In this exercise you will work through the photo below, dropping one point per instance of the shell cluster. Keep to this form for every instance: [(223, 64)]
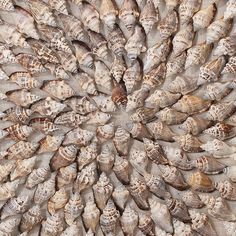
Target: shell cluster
[(117, 117)]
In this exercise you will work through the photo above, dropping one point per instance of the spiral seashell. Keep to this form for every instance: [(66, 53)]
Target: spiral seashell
[(161, 215), (9, 226), (118, 68), (217, 91), (146, 225), (44, 125), (105, 103), (226, 46), (6, 55), (191, 199), (173, 177), (121, 169), (50, 143), (230, 172), (8, 190), (138, 130), (119, 94), (59, 6), (226, 189), (68, 61), (230, 67), (106, 132), (5, 170), (230, 11), (19, 132), (87, 84), (120, 196), (57, 71), (121, 141), (105, 159), (138, 160), (45, 190), (7, 5)]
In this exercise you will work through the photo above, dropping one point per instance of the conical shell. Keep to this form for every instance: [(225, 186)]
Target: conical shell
[(8, 190), (121, 141), (68, 61), (87, 84), (106, 132), (138, 130), (9, 226), (44, 125), (138, 160), (57, 71), (50, 143), (120, 196), (230, 67), (98, 118), (118, 68), (119, 94), (105, 103), (5, 170), (19, 132), (6, 55), (191, 199), (105, 159), (225, 46), (226, 189), (217, 91), (146, 225), (143, 114), (121, 169)]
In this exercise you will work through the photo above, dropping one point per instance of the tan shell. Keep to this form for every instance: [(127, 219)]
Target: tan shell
[(105, 159), (106, 132), (6, 55), (225, 46), (138, 130), (230, 67), (44, 125), (5, 170), (143, 114), (7, 5), (105, 103), (191, 199), (59, 6), (171, 4), (50, 143), (87, 84), (121, 169), (230, 9), (120, 196), (121, 141), (98, 118), (19, 132), (119, 94), (138, 160), (217, 91), (146, 224), (118, 68), (8, 190), (68, 61)]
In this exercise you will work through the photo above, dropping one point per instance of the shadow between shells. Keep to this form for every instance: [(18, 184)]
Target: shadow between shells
[(117, 117)]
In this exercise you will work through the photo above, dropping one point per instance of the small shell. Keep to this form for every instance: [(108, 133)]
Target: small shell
[(50, 143), (121, 169), (120, 196), (161, 131), (118, 68), (6, 55), (230, 11), (7, 5), (136, 43), (59, 6), (104, 103), (183, 40), (19, 132), (8, 190), (37, 176), (146, 225), (105, 159), (226, 189), (87, 84), (189, 143), (230, 67), (121, 141), (138, 160), (201, 182), (57, 201), (209, 72), (173, 177), (57, 71), (218, 29), (128, 14), (217, 91), (79, 137), (168, 25), (98, 118), (31, 218), (191, 199), (203, 18), (143, 114), (161, 215), (44, 125), (31, 63), (138, 130), (5, 170), (106, 132), (225, 46), (129, 220), (45, 190), (230, 172), (63, 157), (73, 208)]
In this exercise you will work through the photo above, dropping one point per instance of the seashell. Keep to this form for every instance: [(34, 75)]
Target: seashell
[(7, 5), (57, 71), (55, 37), (187, 9), (230, 67), (105, 132), (168, 26), (226, 189), (118, 68), (30, 62), (59, 6), (66, 175), (173, 177), (102, 75), (87, 84), (22, 150), (50, 143), (121, 169), (132, 76), (171, 4), (120, 196), (83, 55), (63, 157), (226, 46), (201, 224), (19, 132), (82, 105), (70, 118), (129, 220), (191, 104), (217, 91), (79, 137), (9, 226), (161, 131), (201, 182), (53, 225), (178, 209), (203, 18), (116, 41), (218, 29), (138, 160), (136, 43), (72, 230), (128, 14), (121, 141), (230, 172), (104, 103), (85, 178), (229, 228), (182, 228), (5, 170), (22, 97), (68, 61), (25, 80), (156, 54), (37, 176), (6, 55), (161, 215), (102, 190), (105, 159), (31, 218), (108, 13), (45, 190), (48, 107), (230, 11), (139, 192), (42, 13), (12, 37), (146, 224), (162, 98), (109, 218), (73, 208), (149, 16), (220, 111), (171, 116), (90, 17), (23, 168), (218, 208), (183, 39), (91, 215), (138, 130), (189, 143), (98, 117), (209, 72), (3, 134), (191, 199), (44, 125), (57, 201), (8, 190), (143, 114), (14, 206), (175, 64)]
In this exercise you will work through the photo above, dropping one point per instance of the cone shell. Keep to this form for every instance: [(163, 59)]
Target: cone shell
[(138, 130), (226, 189), (98, 118), (119, 95), (44, 125), (105, 103), (121, 169), (50, 143), (138, 160), (105, 159), (120, 196), (143, 114), (118, 68), (192, 200), (217, 91), (105, 132), (230, 67), (121, 141), (146, 224), (87, 84), (57, 71), (230, 11), (226, 46), (19, 132), (5, 170)]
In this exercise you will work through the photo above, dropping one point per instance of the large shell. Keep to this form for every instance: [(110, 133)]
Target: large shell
[(230, 67), (217, 91), (106, 132), (192, 200), (121, 169), (146, 225), (105, 159), (230, 10), (230, 172), (138, 160), (5, 170), (7, 5), (120, 196), (19, 132), (121, 141), (226, 189), (6, 55), (225, 46), (8, 190), (50, 143)]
